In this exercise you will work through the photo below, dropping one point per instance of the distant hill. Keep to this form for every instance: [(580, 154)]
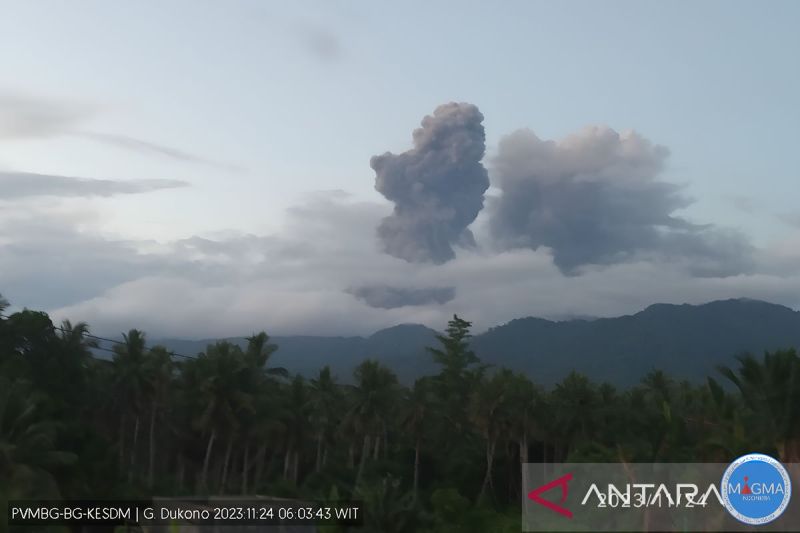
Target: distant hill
[(401, 347), (687, 341)]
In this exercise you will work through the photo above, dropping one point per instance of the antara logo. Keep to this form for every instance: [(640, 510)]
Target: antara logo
[(562, 482)]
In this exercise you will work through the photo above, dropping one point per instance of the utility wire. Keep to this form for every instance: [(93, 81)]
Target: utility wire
[(105, 339)]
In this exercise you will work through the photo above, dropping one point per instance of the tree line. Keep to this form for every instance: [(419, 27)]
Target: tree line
[(440, 455)]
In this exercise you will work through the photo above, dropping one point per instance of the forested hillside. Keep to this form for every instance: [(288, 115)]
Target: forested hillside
[(688, 341), (441, 455)]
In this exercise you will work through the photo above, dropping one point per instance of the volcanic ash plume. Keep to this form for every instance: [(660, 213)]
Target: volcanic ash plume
[(437, 186), (596, 197)]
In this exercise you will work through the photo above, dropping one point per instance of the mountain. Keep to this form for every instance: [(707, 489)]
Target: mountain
[(687, 341), (401, 347)]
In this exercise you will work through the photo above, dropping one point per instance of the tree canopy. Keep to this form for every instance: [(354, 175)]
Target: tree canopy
[(442, 455)]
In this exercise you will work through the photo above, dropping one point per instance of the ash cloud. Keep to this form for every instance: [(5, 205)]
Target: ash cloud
[(385, 297), (437, 187), (595, 198)]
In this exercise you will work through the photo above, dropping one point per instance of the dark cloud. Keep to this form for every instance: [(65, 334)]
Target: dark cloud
[(596, 198), (385, 297), (26, 184), (437, 186), (708, 251)]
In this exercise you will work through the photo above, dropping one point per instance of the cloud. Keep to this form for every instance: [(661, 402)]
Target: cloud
[(321, 42), (384, 297), (27, 117), (146, 147), (46, 261), (792, 219), (437, 187), (595, 198), (294, 281), (490, 289), (15, 185), (746, 204)]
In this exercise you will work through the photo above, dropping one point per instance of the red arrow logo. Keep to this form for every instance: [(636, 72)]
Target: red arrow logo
[(562, 482)]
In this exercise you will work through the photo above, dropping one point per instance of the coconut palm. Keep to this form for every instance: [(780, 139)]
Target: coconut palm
[(574, 404), (720, 427), (489, 415), (258, 353), (387, 508), (219, 377), (770, 389), (28, 453), (131, 384), (373, 396), (419, 415), (159, 370), (325, 407), (526, 400)]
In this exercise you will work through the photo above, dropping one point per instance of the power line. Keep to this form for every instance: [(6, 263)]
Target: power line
[(105, 339)]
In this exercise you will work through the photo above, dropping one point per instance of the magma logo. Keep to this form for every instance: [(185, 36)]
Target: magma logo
[(756, 489)]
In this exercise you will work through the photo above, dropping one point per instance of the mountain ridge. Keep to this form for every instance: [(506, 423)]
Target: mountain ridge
[(686, 340)]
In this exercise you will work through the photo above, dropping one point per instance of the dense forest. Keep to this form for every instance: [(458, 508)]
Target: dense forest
[(440, 456)]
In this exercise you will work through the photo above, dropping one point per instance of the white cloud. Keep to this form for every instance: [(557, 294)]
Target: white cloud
[(296, 281)]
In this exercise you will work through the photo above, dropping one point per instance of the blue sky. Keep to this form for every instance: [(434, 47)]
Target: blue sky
[(276, 100)]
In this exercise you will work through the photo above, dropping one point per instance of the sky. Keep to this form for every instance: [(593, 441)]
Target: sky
[(199, 169)]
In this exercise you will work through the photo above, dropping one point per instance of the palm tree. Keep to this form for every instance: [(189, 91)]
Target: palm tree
[(658, 403), (526, 400), (720, 428), (574, 405), (326, 400), (771, 390), (219, 379), (131, 383), (5, 340), (28, 456), (258, 352), (490, 419), (268, 427), (419, 404), (159, 369), (296, 424), (69, 359), (35, 351), (387, 508), (373, 396), (256, 418)]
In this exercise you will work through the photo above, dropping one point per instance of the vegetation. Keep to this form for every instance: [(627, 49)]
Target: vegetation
[(440, 456)]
